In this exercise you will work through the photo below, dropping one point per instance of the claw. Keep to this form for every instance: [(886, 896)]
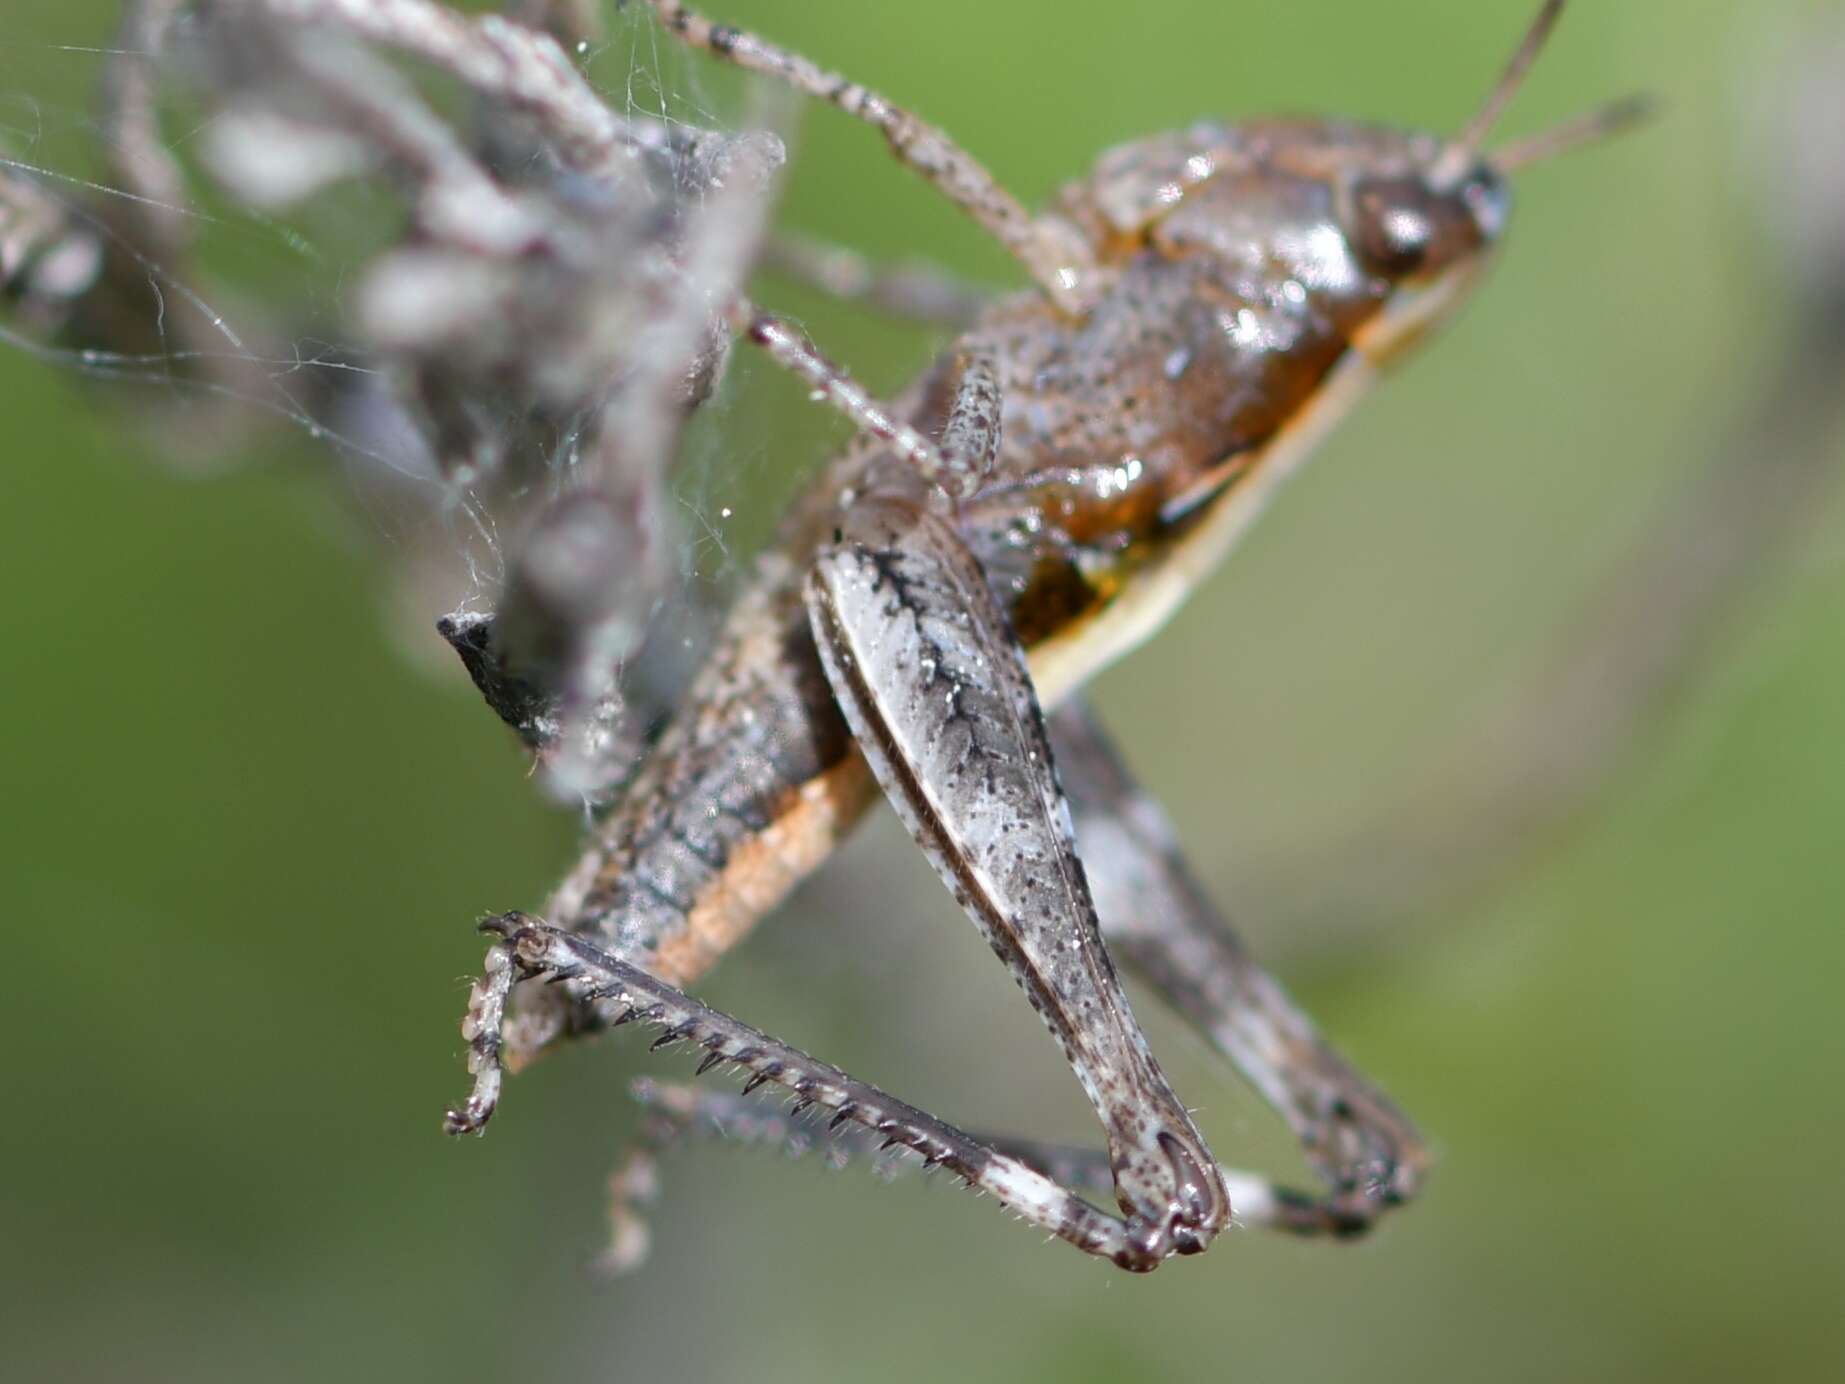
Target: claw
[(481, 1025)]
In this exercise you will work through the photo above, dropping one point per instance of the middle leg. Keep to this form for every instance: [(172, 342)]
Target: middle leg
[(677, 1111)]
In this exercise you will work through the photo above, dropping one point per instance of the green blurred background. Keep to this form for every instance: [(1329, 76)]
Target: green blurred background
[(246, 836)]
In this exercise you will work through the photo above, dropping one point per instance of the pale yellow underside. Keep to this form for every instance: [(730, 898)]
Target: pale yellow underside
[(1064, 662)]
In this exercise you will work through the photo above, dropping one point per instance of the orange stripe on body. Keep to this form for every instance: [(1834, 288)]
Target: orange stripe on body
[(809, 821)]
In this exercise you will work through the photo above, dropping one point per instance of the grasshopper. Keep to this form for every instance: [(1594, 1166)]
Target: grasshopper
[(1207, 304)]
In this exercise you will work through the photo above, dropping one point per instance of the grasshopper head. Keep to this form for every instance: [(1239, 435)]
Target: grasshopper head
[(1424, 216)]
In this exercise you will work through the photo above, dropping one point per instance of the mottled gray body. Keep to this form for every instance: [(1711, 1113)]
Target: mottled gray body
[(1030, 510), (758, 722), (1120, 434)]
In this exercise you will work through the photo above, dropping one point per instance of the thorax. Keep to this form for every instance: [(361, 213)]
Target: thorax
[(1138, 441)]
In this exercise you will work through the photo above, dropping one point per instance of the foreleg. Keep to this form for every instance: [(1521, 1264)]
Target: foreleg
[(967, 448)]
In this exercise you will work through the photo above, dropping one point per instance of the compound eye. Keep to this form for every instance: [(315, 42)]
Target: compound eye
[(1389, 224), (1487, 202)]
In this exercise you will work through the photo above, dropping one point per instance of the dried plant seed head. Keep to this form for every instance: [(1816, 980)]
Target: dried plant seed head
[(567, 583)]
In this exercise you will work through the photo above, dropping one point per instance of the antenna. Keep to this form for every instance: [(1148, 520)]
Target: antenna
[(1455, 160), (1589, 128)]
